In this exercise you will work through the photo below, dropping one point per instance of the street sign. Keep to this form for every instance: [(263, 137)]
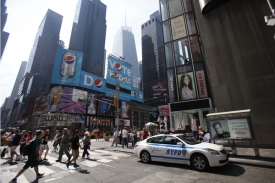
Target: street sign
[(84, 101)]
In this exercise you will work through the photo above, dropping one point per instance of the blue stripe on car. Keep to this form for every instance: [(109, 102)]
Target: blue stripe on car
[(174, 146), (165, 157)]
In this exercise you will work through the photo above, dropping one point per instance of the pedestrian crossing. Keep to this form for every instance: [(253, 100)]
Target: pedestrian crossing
[(55, 170)]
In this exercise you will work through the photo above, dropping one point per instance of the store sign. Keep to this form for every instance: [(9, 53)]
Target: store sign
[(201, 84), (54, 117), (178, 27)]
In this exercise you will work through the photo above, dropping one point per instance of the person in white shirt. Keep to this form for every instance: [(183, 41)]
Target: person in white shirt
[(115, 137), (138, 135), (124, 137), (206, 137), (86, 130)]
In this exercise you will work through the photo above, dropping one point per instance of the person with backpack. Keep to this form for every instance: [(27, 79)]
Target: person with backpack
[(86, 144), (32, 150)]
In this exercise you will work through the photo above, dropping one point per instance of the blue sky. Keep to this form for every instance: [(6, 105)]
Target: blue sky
[(25, 16)]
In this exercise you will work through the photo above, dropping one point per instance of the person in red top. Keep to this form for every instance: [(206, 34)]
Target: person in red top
[(97, 134), (144, 134)]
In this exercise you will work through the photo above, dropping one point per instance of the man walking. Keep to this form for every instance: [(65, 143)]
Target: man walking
[(124, 137), (15, 143), (33, 157), (74, 143), (115, 137), (65, 139)]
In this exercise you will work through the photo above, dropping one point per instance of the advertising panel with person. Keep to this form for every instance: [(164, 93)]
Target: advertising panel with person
[(187, 87), (106, 106)]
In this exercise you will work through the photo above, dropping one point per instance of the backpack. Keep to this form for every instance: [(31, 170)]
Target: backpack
[(28, 148)]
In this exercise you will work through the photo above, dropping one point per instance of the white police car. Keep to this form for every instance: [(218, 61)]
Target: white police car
[(178, 148)]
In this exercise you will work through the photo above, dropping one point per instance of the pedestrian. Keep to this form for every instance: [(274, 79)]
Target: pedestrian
[(97, 134), (86, 130), (29, 137), (124, 137), (120, 136), (144, 134), (57, 140), (33, 158), (86, 144), (114, 137), (65, 139), (22, 144), (44, 145), (74, 144), (135, 137), (3, 143), (15, 143), (138, 135)]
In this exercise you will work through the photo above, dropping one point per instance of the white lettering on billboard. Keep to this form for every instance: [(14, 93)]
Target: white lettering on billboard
[(88, 80)]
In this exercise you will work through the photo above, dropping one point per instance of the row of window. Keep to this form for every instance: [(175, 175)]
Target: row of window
[(173, 8)]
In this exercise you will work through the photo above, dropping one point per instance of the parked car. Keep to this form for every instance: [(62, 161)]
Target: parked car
[(178, 148)]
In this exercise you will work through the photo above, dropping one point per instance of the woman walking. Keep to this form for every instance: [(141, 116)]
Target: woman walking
[(44, 145), (22, 144), (86, 143), (57, 140)]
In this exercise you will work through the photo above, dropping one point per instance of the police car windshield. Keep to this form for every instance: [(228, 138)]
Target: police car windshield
[(188, 140)]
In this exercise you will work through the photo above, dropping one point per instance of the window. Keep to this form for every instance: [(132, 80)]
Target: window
[(195, 48), (149, 22), (145, 24), (166, 31), (163, 8), (168, 55), (182, 52), (156, 140), (171, 140), (191, 23), (142, 26), (187, 5), (178, 27), (175, 8), (153, 20)]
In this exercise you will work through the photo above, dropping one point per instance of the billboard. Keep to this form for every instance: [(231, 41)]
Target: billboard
[(67, 67), (187, 88), (125, 109), (122, 96), (230, 125), (68, 101), (201, 84), (40, 104), (105, 108), (119, 71), (92, 82), (136, 95), (163, 110)]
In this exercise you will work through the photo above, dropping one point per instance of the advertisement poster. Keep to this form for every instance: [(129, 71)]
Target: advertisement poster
[(92, 108), (119, 71), (201, 84), (67, 67), (125, 109), (137, 95), (163, 110), (219, 130), (187, 89), (122, 96), (40, 104), (239, 128), (105, 108), (178, 27), (68, 101), (160, 89)]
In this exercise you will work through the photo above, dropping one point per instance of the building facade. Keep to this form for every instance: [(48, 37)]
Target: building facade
[(88, 35), (153, 61), (41, 59), (4, 35), (124, 46), (228, 52), (15, 88)]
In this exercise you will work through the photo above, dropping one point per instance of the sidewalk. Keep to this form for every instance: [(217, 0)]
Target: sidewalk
[(245, 155)]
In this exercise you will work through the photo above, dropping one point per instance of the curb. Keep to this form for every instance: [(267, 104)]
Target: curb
[(252, 162)]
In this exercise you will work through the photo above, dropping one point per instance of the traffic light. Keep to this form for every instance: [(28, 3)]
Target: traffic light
[(62, 112), (55, 100), (115, 100)]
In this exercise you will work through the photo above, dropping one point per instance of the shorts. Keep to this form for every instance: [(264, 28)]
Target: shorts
[(75, 153), (13, 148), (31, 162), (44, 147)]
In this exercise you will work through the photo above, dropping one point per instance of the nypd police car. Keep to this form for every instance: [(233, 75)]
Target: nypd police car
[(179, 148)]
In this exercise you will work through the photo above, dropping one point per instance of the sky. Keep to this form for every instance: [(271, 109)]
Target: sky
[(25, 16)]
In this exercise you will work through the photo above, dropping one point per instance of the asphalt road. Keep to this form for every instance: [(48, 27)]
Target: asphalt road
[(109, 166)]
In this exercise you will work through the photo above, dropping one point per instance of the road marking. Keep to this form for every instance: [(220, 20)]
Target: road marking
[(44, 169), (48, 180)]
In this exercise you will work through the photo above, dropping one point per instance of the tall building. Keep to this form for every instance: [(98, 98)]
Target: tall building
[(124, 46), (41, 59), (88, 35), (4, 35), (15, 88), (214, 64), (153, 61)]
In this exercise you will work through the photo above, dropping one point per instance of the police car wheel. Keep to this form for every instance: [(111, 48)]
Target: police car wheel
[(145, 157), (199, 162)]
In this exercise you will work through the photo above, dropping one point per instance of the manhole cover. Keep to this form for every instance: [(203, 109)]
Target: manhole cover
[(106, 155)]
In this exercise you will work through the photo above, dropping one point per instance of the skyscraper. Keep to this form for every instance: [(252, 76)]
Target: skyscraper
[(15, 88), (42, 55), (125, 46), (88, 35), (4, 35), (153, 61)]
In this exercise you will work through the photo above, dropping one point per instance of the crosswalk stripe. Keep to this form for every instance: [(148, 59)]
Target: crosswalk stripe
[(44, 169), (20, 179)]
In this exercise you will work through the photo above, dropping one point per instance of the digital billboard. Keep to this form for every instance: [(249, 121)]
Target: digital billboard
[(136, 95), (105, 108), (41, 104), (125, 109), (92, 82), (119, 71), (122, 96), (67, 67)]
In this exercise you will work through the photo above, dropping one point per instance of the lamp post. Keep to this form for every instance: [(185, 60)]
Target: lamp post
[(117, 105)]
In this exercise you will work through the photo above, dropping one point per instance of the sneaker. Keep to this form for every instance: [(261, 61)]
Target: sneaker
[(76, 165), (67, 164), (40, 175)]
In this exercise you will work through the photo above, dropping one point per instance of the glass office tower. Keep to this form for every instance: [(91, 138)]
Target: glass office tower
[(88, 35)]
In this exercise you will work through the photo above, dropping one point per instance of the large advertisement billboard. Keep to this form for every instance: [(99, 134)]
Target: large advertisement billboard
[(119, 71), (67, 67), (105, 107), (92, 82), (137, 95), (41, 104)]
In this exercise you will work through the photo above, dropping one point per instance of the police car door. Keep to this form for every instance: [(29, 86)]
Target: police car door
[(156, 148), (174, 151)]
